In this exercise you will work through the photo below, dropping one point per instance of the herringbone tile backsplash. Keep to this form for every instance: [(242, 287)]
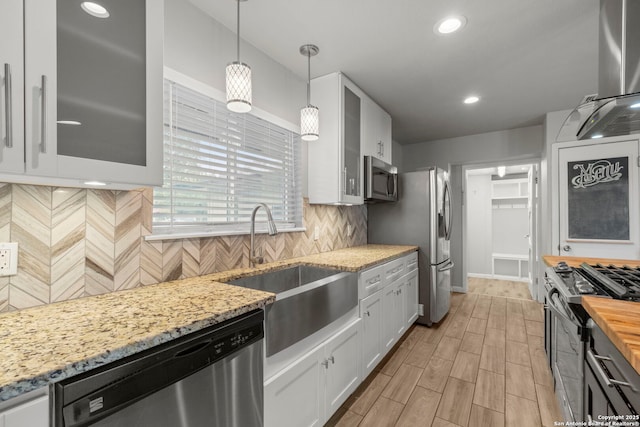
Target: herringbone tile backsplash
[(80, 242)]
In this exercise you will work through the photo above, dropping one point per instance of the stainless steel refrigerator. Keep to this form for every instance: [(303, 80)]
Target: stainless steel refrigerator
[(421, 217)]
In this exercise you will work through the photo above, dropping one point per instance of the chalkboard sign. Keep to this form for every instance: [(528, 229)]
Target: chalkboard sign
[(598, 199)]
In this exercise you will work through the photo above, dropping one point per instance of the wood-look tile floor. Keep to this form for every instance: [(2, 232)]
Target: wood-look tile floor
[(483, 365), (498, 288)]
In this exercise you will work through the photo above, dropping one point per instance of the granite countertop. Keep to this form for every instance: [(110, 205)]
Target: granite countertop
[(48, 343), (619, 320)]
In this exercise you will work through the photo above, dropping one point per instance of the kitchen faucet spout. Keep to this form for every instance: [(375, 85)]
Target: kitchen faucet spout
[(271, 228)]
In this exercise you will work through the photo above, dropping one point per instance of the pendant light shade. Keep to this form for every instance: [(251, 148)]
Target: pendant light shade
[(309, 115), (239, 87), (238, 79), (309, 123)]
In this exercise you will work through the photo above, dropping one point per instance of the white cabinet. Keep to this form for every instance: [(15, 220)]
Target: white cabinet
[(89, 96), (342, 366), (12, 82), (335, 160), (299, 386), (376, 132), (309, 391), (30, 411), (372, 327), (388, 306), (411, 309)]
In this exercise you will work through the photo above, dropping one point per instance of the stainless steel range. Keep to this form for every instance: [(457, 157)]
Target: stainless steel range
[(568, 335)]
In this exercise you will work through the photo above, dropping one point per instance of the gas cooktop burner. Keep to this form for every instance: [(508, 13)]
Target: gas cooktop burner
[(600, 280), (620, 282)]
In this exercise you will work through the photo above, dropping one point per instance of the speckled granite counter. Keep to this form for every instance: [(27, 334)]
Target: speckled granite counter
[(49, 343), (350, 259), (52, 342)]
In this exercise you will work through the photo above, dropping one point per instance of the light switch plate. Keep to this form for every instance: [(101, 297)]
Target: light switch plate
[(8, 259)]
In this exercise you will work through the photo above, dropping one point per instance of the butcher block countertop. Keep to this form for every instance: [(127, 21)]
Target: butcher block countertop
[(45, 344), (619, 320)]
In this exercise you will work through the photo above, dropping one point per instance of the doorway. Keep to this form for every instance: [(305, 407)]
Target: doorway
[(499, 225)]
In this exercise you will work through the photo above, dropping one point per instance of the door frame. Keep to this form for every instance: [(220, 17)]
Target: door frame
[(535, 239), (555, 180)]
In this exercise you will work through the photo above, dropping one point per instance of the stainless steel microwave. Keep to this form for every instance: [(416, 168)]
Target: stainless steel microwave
[(380, 181)]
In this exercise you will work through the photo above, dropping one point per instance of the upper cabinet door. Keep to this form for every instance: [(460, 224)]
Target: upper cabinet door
[(335, 159), (93, 91), (40, 88), (376, 133), (352, 133), (11, 86)]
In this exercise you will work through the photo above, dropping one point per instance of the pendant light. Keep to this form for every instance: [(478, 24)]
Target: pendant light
[(238, 79), (309, 115)]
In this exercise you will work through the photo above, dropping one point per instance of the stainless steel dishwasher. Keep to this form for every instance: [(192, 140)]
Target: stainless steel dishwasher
[(213, 377)]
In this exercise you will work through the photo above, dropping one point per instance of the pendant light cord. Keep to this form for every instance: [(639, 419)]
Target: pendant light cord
[(238, 32), (308, 77)]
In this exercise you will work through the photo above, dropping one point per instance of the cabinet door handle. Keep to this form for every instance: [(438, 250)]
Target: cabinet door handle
[(382, 148), (43, 118), (333, 361), (7, 106), (345, 181), (325, 363), (367, 313)]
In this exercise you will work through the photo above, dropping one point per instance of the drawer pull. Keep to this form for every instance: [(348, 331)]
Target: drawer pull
[(595, 359), (373, 280)]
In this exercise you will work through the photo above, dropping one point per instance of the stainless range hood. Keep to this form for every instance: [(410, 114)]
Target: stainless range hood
[(616, 108)]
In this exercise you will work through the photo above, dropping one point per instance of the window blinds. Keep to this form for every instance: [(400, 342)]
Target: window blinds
[(218, 165)]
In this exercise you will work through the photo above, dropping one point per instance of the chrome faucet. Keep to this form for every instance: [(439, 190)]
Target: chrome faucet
[(271, 227)]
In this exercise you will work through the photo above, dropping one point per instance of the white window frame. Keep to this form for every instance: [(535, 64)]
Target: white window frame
[(164, 233)]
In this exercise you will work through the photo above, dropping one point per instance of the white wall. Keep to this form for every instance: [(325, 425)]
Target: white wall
[(200, 47), (512, 144), (478, 250)]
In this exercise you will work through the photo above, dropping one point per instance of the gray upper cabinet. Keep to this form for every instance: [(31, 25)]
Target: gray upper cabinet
[(92, 93)]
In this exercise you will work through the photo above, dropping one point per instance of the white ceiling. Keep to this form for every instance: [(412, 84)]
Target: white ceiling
[(523, 57)]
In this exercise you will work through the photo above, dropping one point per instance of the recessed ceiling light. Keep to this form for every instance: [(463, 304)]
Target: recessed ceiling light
[(94, 9), (596, 136), (636, 105), (501, 171), (95, 183), (450, 24), (69, 122), (471, 99)]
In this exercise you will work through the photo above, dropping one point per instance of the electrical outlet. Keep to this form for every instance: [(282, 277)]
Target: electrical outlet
[(8, 259), (316, 233), (349, 230)]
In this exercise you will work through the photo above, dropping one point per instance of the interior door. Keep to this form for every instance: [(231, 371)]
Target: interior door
[(598, 200)]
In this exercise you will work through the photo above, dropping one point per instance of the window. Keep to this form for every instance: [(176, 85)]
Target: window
[(218, 165)]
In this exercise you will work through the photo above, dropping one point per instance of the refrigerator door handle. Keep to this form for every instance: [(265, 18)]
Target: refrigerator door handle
[(446, 267)]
